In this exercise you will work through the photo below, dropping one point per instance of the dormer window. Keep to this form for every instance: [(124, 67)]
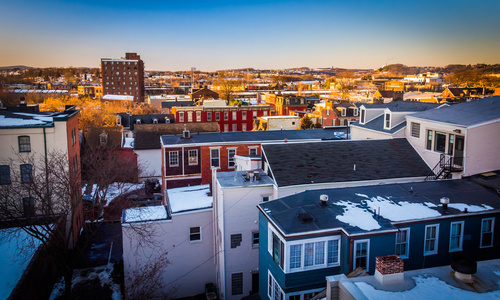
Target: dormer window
[(355, 112), (343, 112), (387, 123), (363, 116), (138, 121), (118, 120), (167, 120), (155, 121)]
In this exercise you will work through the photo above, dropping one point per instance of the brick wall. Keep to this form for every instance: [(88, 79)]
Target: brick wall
[(389, 264)]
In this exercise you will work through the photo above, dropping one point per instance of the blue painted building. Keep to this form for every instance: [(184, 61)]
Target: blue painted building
[(317, 233)]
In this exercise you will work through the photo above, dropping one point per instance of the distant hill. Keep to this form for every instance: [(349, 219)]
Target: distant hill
[(15, 67)]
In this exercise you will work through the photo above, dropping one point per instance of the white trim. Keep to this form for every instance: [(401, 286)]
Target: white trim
[(195, 241), (170, 165), (218, 157), (387, 113), (407, 254), (460, 244), (302, 243), (492, 232), (228, 158), (367, 253), (436, 244), (274, 283), (189, 161)]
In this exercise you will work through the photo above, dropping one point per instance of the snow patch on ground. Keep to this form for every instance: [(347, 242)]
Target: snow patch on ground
[(426, 288), (189, 198), (17, 249), (357, 216)]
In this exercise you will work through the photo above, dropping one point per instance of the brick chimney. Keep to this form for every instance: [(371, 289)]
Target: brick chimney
[(389, 269)]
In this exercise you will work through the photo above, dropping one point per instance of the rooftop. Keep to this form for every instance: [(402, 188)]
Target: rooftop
[(238, 179), (144, 214), (189, 198), (15, 119), (465, 114), (427, 283), (254, 136), (343, 161), (376, 208)]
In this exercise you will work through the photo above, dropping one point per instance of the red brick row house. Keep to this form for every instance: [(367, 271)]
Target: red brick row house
[(229, 118), (188, 159)]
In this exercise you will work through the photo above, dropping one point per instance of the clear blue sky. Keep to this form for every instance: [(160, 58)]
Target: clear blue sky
[(212, 35)]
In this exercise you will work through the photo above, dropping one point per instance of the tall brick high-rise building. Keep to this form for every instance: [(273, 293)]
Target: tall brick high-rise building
[(124, 76)]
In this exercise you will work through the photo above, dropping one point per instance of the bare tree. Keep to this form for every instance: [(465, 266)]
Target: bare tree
[(227, 86), (42, 197)]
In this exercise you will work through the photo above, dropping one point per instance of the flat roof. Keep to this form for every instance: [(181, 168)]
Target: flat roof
[(375, 208), (255, 136), (189, 198), (238, 179), (144, 214)]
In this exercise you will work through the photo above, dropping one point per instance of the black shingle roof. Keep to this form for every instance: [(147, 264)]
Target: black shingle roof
[(284, 211), (333, 161)]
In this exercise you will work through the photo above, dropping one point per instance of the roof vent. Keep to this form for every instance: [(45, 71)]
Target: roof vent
[(445, 201), (323, 199), (186, 134), (305, 217)]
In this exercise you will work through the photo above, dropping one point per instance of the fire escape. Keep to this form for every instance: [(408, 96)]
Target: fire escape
[(446, 165)]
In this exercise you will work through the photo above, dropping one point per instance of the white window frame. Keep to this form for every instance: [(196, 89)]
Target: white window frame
[(189, 157), (355, 112), (171, 157), (229, 160), (209, 116), (181, 117), (212, 157), (301, 243), (436, 244), (407, 254), (386, 115), (254, 244), (343, 112), (362, 118), (272, 287), (244, 115), (412, 124), (367, 253), (235, 128), (190, 116), (461, 236), (253, 148), (235, 115), (492, 232), (191, 234), (198, 116)]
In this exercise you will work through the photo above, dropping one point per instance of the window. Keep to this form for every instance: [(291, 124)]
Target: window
[(403, 242), (235, 127), (431, 239), (295, 256), (243, 115), (198, 116), (278, 250), (252, 151), (29, 206), (230, 157), (265, 198), (226, 115), (265, 113), (363, 116), (181, 117), (255, 238), (217, 116), (451, 142), (294, 297), (214, 158), (429, 140), (440, 141), (456, 236), (236, 283), (209, 116), (5, 174), (173, 158), (342, 113), (415, 129), (235, 115), (314, 254), (195, 234), (327, 111), (26, 173), (155, 121), (226, 127), (355, 112), (24, 143), (332, 255), (190, 116), (361, 254), (387, 124), (274, 291), (487, 232), (235, 240), (193, 157)]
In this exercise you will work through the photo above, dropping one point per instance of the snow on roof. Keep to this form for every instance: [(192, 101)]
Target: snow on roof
[(128, 143), (426, 288), (17, 248), (143, 214), (189, 198), (118, 97)]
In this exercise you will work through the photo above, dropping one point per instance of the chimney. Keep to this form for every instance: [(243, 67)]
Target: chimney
[(186, 134), (389, 269), (445, 201)]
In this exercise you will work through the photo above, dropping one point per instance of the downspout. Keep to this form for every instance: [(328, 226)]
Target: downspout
[(350, 254), (46, 168)]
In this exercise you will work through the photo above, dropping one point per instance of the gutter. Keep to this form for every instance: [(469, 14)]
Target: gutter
[(46, 167)]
